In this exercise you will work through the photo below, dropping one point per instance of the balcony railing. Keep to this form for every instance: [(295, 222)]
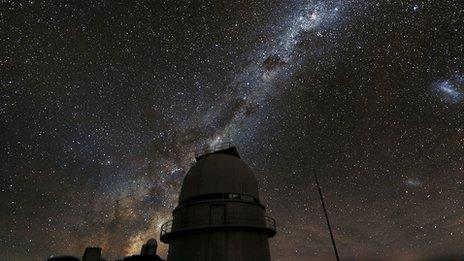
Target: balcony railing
[(266, 224)]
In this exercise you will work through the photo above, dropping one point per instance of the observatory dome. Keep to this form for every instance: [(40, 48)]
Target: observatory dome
[(219, 173), (152, 242)]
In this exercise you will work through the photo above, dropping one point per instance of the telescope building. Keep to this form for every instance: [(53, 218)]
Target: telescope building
[(219, 215)]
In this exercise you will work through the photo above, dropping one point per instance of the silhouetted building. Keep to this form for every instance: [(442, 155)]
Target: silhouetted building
[(148, 253), (92, 254), (149, 249), (143, 258), (219, 216)]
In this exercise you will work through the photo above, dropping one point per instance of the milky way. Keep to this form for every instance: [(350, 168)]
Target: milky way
[(273, 63), (104, 106)]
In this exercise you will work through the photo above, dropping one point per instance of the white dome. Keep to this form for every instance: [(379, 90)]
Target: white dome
[(219, 173)]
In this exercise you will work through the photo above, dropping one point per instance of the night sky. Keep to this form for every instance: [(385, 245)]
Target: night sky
[(104, 103)]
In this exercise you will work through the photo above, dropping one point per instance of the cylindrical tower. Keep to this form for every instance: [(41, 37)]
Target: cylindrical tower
[(219, 216)]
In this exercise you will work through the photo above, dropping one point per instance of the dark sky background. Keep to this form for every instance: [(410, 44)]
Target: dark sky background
[(103, 104)]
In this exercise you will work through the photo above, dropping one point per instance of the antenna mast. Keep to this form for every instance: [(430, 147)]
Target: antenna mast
[(326, 216)]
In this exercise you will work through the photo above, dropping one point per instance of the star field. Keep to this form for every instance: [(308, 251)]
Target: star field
[(104, 105)]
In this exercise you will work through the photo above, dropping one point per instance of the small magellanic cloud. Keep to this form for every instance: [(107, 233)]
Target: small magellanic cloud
[(413, 182)]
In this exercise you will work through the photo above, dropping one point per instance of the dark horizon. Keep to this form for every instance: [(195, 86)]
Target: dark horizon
[(104, 104)]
